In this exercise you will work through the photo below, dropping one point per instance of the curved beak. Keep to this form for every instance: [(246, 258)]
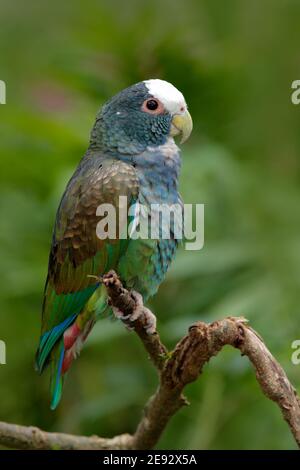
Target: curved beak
[(182, 124)]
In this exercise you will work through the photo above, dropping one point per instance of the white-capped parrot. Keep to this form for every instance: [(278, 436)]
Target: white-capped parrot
[(131, 153)]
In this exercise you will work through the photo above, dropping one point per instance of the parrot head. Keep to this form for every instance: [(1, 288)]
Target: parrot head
[(145, 114)]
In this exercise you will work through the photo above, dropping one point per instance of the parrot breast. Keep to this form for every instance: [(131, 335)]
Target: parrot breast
[(146, 262)]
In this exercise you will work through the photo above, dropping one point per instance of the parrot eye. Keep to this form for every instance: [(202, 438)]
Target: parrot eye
[(153, 106)]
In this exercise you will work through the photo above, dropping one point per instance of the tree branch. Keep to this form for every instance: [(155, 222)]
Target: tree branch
[(176, 370), (28, 437), (202, 342)]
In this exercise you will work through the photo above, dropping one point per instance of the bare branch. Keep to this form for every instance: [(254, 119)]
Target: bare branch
[(28, 437), (176, 370)]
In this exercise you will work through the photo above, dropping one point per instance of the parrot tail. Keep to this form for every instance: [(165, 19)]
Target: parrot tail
[(63, 354), (63, 343), (57, 379)]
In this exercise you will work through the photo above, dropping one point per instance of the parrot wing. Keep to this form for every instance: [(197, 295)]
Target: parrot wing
[(76, 251)]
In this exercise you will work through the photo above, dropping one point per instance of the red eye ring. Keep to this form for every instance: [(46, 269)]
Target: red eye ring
[(153, 106)]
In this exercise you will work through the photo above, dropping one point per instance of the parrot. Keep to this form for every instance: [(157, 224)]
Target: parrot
[(132, 153)]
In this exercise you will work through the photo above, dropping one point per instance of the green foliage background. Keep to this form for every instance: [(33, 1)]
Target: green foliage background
[(234, 61)]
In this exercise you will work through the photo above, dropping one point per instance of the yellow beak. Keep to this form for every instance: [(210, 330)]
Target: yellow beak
[(182, 124)]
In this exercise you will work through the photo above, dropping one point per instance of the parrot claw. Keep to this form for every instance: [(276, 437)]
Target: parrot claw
[(150, 321), (140, 311), (125, 318), (119, 314)]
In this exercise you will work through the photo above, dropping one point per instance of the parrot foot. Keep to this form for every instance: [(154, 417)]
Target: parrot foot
[(139, 312)]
